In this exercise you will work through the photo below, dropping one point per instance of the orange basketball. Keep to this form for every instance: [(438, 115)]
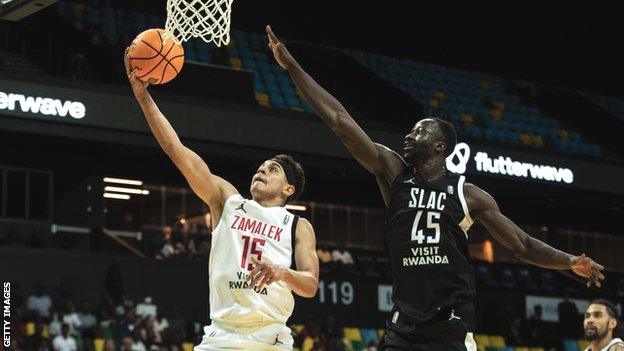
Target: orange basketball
[(156, 59)]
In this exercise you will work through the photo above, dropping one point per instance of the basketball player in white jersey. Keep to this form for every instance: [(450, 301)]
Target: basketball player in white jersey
[(601, 326), (253, 242)]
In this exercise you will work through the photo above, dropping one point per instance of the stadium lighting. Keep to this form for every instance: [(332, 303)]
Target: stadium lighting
[(122, 181), (117, 196), (296, 207), (118, 189)]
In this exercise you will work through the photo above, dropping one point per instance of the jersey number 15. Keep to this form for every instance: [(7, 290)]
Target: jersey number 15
[(418, 234), (251, 246)]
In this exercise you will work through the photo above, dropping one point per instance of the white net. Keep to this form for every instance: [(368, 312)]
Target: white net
[(207, 19)]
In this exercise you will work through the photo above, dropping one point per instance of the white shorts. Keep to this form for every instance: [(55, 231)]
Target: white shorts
[(272, 337)]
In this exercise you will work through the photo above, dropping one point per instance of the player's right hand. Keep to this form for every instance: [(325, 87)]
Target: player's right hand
[(282, 56), (138, 86)]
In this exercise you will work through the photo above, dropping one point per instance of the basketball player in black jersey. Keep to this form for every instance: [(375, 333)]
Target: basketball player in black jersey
[(428, 213)]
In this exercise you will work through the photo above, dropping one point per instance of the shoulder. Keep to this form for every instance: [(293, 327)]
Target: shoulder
[(392, 164), (478, 199), (303, 225), (387, 154), (617, 347), (304, 231)]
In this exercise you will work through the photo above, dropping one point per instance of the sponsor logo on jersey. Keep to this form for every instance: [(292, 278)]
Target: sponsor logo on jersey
[(430, 200), (409, 181), (242, 207), (425, 256), (256, 226), (240, 283)]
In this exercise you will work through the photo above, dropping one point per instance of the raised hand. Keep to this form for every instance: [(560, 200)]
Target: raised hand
[(265, 273), (586, 267), (138, 86), (282, 56)]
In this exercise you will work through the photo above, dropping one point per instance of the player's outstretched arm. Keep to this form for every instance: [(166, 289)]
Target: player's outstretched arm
[(373, 157), (484, 208), (211, 189), (304, 280)]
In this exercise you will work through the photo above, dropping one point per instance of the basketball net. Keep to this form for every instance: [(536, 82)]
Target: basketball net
[(206, 19)]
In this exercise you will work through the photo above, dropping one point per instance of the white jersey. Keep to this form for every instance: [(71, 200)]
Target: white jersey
[(246, 229), (615, 341)]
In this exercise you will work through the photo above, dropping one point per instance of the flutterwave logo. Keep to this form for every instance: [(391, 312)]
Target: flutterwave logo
[(42, 105), (457, 163)]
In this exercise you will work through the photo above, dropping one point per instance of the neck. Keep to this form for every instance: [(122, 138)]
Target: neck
[(597, 345), (430, 169), (275, 202)]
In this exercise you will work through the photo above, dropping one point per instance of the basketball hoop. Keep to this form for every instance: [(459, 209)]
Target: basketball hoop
[(206, 19)]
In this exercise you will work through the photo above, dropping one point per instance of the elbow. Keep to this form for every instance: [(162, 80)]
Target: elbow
[(309, 293)]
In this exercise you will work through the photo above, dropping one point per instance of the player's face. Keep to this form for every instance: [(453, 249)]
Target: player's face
[(420, 141), (597, 322), (269, 181)]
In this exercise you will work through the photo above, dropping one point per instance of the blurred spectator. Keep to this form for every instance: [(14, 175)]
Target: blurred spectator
[(71, 318), (536, 327), (88, 321), (127, 344), (64, 341), (137, 343), (324, 255), (109, 345), (126, 325), (337, 342), (569, 317), (370, 347), (168, 249), (37, 341), (161, 324), (341, 255), (54, 328), (146, 308), (39, 301)]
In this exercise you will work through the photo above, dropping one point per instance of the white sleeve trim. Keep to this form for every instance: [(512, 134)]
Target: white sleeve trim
[(467, 222)]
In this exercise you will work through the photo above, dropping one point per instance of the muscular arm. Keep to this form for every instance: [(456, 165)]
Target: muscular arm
[(211, 189), (525, 247), (377, 160), (304, 280)]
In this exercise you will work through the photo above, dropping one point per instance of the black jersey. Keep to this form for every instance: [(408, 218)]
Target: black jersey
[(426, 234)]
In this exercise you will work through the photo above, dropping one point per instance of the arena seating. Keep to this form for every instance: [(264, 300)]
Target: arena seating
[(480, 105)]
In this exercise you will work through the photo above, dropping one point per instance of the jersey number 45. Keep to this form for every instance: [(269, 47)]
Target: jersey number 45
[(432, 226)]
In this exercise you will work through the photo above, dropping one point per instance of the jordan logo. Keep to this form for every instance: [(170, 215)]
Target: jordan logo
[(453, 316), (409, 181), (277, 340), (242, 207)]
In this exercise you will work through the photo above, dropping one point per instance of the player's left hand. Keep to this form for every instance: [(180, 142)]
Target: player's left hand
[(586, 267), (265, 273)]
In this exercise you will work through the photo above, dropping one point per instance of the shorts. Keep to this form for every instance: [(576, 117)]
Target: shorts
[(271, 337), (450, 330)]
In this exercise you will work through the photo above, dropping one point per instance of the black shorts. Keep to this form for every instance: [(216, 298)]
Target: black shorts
[(450, 330)]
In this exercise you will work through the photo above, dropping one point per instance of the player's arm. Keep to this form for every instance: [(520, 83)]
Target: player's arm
[(211, 189), (304, 280), (484, 208), (377, 160)]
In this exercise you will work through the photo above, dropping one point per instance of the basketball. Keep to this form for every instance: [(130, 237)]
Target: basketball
[(156, 58)]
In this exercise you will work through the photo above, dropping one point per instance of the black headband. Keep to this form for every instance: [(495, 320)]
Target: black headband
[(290, 173)]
